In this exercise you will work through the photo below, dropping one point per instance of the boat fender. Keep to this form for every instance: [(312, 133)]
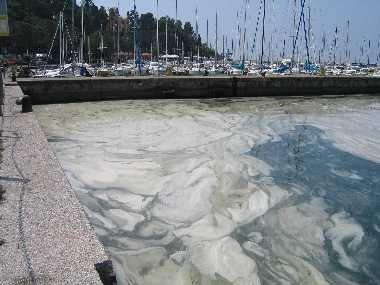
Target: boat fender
[(106, 272)]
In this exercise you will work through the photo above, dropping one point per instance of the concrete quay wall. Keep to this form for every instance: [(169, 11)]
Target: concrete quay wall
[(62, 90)]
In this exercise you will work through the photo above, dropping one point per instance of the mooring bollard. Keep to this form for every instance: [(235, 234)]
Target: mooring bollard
[(106, 272), (26, 103), (1, 95)]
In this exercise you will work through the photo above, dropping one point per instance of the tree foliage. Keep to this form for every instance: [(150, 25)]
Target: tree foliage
[(33, 25)]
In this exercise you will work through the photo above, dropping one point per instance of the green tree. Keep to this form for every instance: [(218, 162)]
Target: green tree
[(33, 25)]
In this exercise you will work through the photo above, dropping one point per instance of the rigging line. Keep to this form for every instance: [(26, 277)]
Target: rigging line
[(56, 32), (245, 29), (263, 35), (69, 36), (257, 27), (52, 43), (298, 28), (237, 34), (306, 36), (335, 44)]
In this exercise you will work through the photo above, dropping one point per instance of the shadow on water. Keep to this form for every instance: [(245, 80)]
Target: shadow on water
[(305, 158), (56, 139)]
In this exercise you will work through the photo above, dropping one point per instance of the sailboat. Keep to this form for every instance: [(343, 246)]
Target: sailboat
[(239, 69), (102, 71), (308, 67), (155, 67), (64, 69), (197, 68)]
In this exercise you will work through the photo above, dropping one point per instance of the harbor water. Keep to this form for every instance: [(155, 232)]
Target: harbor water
[(243, 191)]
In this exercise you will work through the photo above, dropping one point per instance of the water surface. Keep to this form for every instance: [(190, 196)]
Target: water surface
[(245, 191)]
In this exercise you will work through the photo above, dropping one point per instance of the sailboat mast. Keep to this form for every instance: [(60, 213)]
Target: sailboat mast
[(207, 32), (66, 40), (324, 42), (226, 39), (197, 32), (263, 35), (216, 38), (118, 31), (311, 35), (378, 49), (348, 43), (134, 32), (63, 40), (101, 44), (232, 47), (362, 51), (89, 49), (157, 40), (369, 50), (239, 36), (60, 38), (175, 32), (151, 51), (335, 44), (223, 50), (305, 30), (82, 35), (245, 29), (183, 51), (166, 32), (294, 30), (73, 2), (309, 23)]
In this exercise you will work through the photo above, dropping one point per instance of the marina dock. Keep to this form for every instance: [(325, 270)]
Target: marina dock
[(64, 90)]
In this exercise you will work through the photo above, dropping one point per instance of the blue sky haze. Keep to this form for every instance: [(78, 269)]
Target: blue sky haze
[(326, 16)]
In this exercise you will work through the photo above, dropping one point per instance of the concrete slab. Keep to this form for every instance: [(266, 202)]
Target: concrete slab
[(48, 239)]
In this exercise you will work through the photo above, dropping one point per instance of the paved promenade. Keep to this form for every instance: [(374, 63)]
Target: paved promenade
[(45, 237)]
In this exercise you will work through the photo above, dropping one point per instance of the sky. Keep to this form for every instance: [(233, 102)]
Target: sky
[(326, 16)]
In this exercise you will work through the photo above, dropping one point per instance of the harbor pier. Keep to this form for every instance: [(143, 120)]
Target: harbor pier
[(65, 90)]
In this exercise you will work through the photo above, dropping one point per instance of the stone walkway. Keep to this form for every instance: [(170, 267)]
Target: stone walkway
[(45, 237)]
